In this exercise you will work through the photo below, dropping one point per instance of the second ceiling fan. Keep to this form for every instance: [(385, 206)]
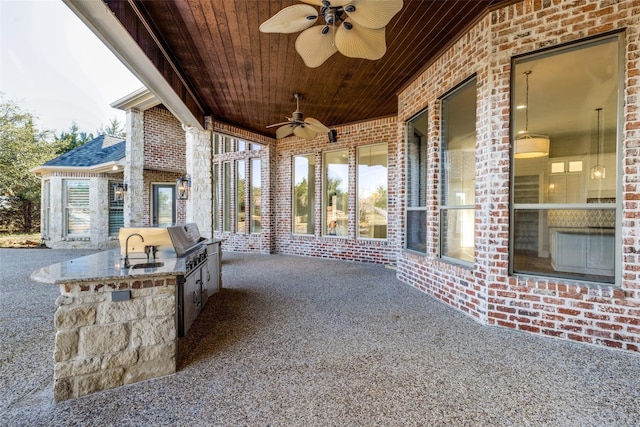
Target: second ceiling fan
[(298, 125)]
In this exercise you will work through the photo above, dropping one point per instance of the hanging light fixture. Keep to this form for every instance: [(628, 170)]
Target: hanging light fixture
[(598, 171), (529, 146), (118, 191), (183, 185)]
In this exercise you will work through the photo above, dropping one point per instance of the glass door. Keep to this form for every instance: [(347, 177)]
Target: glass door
[(164, 205)]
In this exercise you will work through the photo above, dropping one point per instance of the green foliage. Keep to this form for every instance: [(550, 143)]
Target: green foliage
[(113, 129), (74, 138), (22, 147)]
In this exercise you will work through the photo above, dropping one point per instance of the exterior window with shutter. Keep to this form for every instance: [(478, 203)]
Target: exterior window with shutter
[(77, 212)]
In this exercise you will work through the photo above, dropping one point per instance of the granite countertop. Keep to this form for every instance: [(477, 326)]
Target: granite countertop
[(106, 265), (584, 230)]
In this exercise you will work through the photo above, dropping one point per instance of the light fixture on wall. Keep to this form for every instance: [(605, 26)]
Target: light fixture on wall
[(183, 185), (529, 146), (118, 191), (598, 171)]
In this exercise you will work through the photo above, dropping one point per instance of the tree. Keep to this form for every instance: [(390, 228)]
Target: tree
[(113, 129), (22, 147), (67, 141)]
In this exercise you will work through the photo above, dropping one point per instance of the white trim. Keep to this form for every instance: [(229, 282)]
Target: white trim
[(101, 21)]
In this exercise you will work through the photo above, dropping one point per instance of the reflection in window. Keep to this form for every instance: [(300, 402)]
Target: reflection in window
[(216, 196), (77, 212), (416, 234), (226, 196), (256, 196), (336, 193), (458, 173), (116, 210), (240, 196), (46, 208), (372, 191), (563, 212), (304, 188)]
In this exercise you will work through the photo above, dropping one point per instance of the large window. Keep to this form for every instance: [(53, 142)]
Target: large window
[(241, 193), (216, 196), (336, 193), (416, 235), (226, 196), (458, 174), (77, 212), (116, 213), (565, 108), (304, 188), (372, 191), (256, 195)]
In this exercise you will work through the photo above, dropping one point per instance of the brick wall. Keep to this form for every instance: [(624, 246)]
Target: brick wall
[(598, 314), (164, 141), (349, 248)]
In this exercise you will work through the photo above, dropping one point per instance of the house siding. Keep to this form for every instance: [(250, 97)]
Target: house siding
[(598, 314)]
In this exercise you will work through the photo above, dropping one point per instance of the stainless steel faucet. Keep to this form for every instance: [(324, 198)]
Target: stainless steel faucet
[(126, 248)]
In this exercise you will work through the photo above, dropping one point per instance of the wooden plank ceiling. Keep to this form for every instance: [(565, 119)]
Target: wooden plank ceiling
[(247, 78)]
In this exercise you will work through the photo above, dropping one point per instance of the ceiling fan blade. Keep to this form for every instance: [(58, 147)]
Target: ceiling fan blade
[(315, 125), (285, 130), (304, 132), (315, 47), (373, 13), (361, 42), (278, 124), (291, 19), (333, 2)]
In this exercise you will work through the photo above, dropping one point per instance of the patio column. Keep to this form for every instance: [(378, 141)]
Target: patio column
[(198, 163), (134, 169)]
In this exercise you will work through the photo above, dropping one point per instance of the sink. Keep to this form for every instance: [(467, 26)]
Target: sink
[(148, 265)]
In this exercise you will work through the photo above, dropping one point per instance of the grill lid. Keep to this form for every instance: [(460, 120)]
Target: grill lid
[(172, 241)]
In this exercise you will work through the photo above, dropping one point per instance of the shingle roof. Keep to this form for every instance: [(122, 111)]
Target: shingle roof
[(100, 150)]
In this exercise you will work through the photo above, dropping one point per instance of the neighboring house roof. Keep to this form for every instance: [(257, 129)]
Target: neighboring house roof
[(101, 153)]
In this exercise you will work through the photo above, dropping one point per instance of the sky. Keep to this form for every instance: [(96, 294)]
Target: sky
[(54, 67)]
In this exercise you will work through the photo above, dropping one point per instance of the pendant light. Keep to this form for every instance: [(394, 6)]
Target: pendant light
[(529, 146), (598, 171)]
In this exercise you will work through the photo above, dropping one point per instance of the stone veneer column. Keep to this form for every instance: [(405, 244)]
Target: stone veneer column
[(198, 163), (134, 169)]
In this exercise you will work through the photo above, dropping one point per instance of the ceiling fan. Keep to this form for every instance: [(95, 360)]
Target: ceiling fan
[(298, 125), (355, 28)]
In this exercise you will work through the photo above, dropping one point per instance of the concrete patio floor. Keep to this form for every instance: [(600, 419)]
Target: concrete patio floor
[(294, 341)]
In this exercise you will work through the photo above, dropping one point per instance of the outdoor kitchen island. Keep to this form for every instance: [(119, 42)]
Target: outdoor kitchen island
[(118, 325)]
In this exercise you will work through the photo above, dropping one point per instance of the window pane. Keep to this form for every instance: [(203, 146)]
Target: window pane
[(417, 230), (336, 190), (417, 161), (304, 172), (226, 200), (216, 196), (578, 112), (458, 235), (46, 202), (458, 173), (372, 191), (227, 145), (571, 243), (165, 205), (78, 213), (256, 196), (240, 196), (242, 145), (116, 213)]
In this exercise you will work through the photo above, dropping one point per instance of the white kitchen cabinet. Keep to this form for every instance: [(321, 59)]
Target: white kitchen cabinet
[(587, 251)]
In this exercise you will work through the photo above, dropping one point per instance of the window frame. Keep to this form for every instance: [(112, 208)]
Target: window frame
[(616, 37), (357, 198), (310, 195), (115, 208), (67, 207), (324, 232), (443, 208), (422, 207)]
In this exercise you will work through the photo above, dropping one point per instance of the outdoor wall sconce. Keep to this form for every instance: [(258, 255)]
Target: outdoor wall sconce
[(118, 191), (183, 185)]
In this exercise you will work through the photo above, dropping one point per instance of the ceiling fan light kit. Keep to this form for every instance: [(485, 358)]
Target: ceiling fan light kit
[(355, 28)]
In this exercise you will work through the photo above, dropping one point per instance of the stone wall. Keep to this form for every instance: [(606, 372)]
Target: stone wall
[(102, 344), (598, 314)]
